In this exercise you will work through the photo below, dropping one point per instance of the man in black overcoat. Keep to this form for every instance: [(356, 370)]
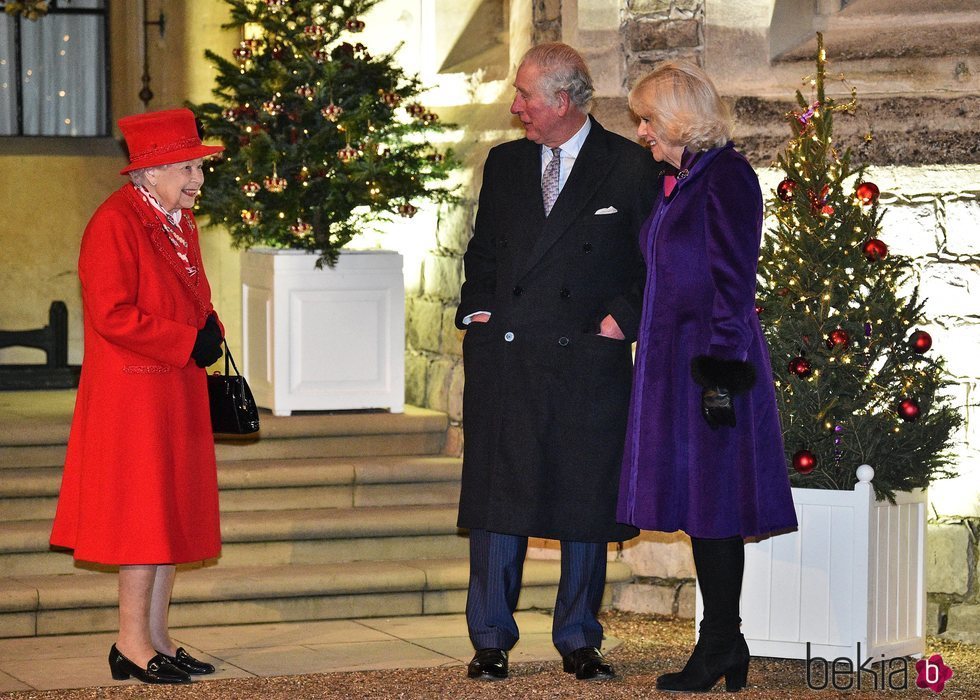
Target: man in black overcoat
[(551, 304)]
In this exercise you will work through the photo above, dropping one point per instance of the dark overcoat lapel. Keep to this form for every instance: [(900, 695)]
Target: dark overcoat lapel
[(590, 170)]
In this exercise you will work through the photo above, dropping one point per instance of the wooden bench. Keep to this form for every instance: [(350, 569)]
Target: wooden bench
[(52, 339)]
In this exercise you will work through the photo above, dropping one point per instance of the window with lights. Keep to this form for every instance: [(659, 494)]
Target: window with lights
[(54, 68)]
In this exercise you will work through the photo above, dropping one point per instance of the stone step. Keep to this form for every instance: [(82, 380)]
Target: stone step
[(276, 484), (277, 538), (223, 595), (28, 441)]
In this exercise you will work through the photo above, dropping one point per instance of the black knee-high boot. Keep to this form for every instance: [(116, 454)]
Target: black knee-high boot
[(721, 649)]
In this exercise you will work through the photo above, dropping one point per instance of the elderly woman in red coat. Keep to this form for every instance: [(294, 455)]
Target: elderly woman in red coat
[(139, 489), (703, 452)]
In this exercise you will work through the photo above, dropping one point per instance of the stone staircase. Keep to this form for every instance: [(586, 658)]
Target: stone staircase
[(324, 516)]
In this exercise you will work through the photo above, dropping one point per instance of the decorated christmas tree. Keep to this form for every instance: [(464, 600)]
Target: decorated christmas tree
[(321, 137), (857, 378)]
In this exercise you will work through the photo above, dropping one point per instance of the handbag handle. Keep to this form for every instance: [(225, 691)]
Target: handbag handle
[(229, 357)]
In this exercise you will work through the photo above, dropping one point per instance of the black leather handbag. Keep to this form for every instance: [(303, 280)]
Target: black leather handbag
[(233, 410)]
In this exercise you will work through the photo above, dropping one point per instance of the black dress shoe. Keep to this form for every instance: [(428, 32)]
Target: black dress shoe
[(187, 663), (488, 664), (588, 664), (158, 670)]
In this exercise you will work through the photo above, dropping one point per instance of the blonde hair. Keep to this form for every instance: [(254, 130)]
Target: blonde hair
[(683, 106)]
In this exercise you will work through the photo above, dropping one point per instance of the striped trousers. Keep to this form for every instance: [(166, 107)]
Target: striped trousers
[(496, 567)]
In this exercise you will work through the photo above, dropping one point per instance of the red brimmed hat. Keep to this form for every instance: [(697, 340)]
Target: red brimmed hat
[(161, 138)]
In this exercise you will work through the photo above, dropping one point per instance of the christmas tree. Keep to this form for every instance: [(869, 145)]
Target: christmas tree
[(856, 377), (321, 138)]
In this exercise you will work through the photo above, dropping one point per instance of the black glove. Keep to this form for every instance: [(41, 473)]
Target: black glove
[(716, 407), (207, 346)]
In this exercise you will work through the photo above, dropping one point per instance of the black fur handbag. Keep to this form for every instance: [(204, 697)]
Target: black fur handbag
[(233, 410)]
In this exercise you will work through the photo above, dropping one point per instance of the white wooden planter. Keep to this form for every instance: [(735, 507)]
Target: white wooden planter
[(853, 573), (325, 339)]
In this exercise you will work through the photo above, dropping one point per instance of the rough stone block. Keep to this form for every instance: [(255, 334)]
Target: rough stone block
[(442, 276), (452, 337), (416, 368), (547, 31), (911, 229), (964, 623), (454, 441), (639, 67), (686, 605), (648, 598), (660, 36), (660, 555), (455, 399), (650, 7), (424, 325), (951, 288), (956, 341), (932, 617), (443, 375), (688, 6), (947, 568), (962, 224), (455, 226), (547, 10)]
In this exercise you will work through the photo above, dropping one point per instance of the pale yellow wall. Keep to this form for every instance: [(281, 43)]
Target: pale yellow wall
[(50, 187)]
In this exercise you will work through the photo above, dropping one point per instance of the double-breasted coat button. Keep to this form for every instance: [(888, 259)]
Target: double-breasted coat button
[(502, 242), (508, 336), (587, 248), (563, 341), (518, 290), (565, 293)]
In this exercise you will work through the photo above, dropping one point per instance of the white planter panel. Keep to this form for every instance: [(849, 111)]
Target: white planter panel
[(853, 572), (328, 339)]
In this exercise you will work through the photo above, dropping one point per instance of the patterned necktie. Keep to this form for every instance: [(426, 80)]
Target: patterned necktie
[(549, 181)]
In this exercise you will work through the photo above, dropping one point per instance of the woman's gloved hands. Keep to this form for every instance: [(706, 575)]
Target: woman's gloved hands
[(716, 407), (720, 381), (207, 346)]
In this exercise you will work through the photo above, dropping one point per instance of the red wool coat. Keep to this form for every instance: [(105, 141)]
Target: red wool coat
[(140, 483)]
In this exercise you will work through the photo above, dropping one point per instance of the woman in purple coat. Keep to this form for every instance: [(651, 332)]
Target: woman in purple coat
[(704, 452)]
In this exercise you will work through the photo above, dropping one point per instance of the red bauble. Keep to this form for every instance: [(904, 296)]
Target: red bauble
[(782, 291), (759, 309), (921, 341), (867, 192), (784, 190), (875, 250), (800, 366), (908, 410), (838, 338), (827, 210), (804, 462)]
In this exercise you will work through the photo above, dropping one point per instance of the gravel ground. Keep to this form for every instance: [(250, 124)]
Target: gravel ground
[(651, 646)]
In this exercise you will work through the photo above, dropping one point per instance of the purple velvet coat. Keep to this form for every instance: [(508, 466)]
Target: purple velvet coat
[(701, 247)]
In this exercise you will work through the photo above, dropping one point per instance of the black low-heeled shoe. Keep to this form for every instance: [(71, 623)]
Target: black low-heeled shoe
[(185, 662), (158, 670)]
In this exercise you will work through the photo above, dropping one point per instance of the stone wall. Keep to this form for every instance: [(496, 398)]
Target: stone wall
[(657, 30)]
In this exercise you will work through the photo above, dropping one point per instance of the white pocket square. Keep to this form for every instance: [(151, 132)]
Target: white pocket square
[(606, 210)]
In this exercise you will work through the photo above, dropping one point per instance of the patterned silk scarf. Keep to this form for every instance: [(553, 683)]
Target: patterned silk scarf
[(171, 224)]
